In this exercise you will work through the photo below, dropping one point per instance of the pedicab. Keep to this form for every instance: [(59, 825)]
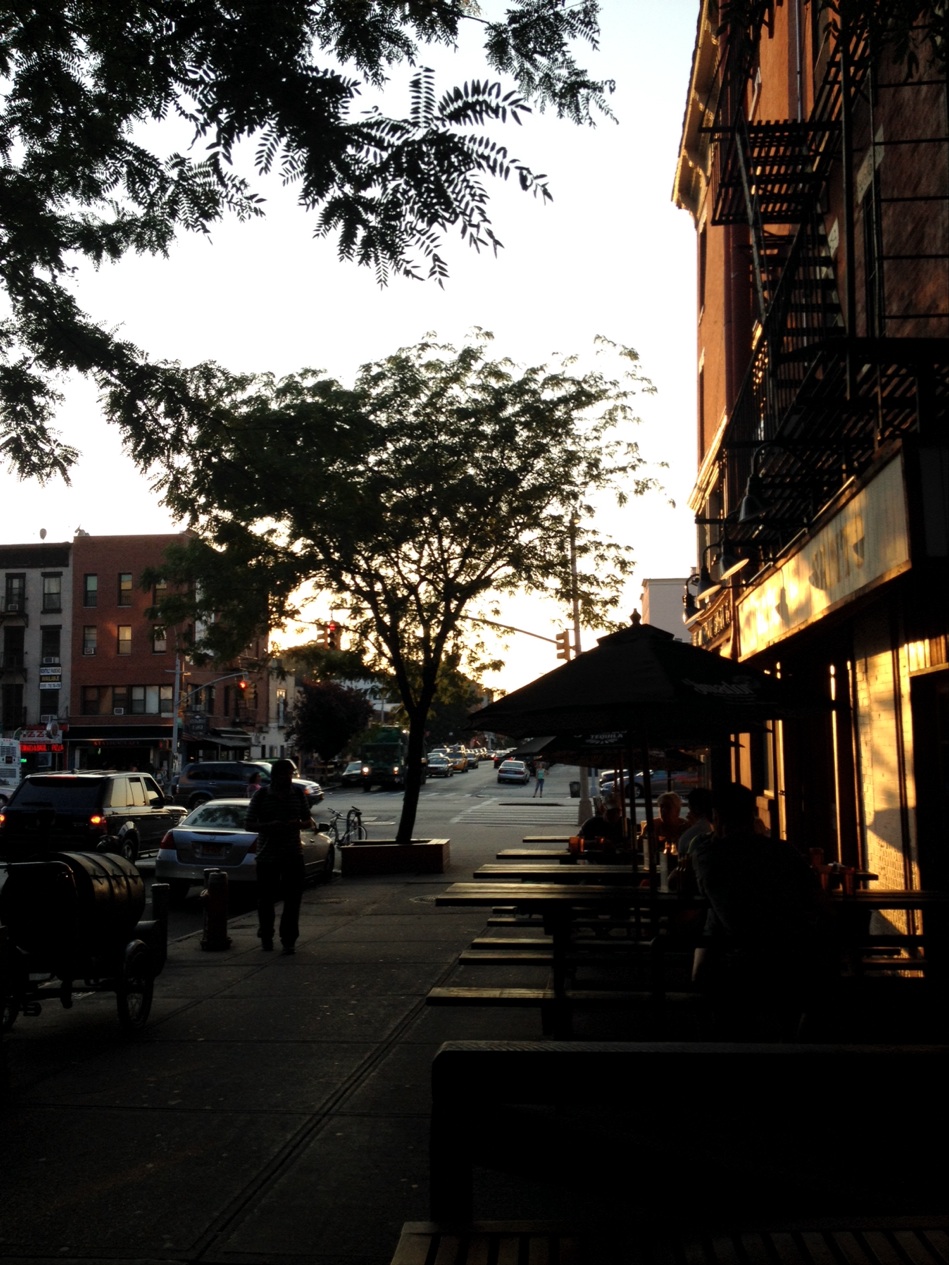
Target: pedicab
[(71, 922)]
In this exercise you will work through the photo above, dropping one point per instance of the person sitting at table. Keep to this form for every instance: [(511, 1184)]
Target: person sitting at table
[(698, 820), (766, 949), (665, 830), (605, 826)]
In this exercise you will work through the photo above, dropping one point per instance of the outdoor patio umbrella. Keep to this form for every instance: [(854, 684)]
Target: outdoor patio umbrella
[(640, 687)]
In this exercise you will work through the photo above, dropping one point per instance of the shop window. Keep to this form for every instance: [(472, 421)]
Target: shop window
[(124, 639)]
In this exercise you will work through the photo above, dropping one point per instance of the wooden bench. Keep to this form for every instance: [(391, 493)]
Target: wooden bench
[(779, 1133), (847, 1241)]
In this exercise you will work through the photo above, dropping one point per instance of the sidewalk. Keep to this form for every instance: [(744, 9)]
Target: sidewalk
[(274, 1109)]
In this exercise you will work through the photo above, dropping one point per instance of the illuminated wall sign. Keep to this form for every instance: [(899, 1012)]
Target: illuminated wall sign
[(864, 545)]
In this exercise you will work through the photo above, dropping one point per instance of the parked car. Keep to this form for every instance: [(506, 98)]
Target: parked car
[(514, 771), (352, 774), (117, 812), (213, 835), (439, 766), (230, 779)]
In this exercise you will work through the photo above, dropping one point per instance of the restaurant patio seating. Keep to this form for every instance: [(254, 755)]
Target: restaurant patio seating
[(657, 1146)]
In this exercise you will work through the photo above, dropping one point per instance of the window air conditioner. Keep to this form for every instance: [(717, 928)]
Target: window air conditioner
[(48, 718), (118, 711), (51, 658)]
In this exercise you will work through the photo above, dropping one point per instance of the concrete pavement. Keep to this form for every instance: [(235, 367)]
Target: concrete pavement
[(275, 1109)]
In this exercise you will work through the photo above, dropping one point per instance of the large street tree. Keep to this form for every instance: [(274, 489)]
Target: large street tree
[(326, 716), (259, 87), (440, 479)]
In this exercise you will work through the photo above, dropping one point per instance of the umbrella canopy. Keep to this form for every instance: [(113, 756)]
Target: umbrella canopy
[(641, 686)]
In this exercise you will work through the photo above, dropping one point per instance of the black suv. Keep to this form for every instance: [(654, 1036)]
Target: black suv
[(230, 779), (86, 812)]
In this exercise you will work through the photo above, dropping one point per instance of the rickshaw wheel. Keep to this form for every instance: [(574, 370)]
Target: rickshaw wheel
[(133, 996), (8, 1014)]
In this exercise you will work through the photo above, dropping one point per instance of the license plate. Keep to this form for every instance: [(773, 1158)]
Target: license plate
[(212, 849)]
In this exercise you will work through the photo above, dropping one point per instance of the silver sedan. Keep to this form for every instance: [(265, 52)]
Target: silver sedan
[(212, 836)]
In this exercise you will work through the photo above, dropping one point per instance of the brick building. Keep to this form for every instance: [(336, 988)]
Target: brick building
[(816, 169), (35, 643), (82, 658)]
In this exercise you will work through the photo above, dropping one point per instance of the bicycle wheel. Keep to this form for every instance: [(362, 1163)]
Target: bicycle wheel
[(354, 828)]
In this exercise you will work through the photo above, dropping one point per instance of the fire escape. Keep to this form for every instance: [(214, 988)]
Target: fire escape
[(846, 358)]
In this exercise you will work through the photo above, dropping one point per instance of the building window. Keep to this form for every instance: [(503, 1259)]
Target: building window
[(149, 700), (12, 710), (125, 588), (91, 700), (50, 644), (159, 639), (53, 592), (124, 639), (89, 637), (120, 699), (90, 590), (159, 591), (14, 595)]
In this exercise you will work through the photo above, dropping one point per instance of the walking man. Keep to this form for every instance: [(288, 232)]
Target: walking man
[(278, 813)]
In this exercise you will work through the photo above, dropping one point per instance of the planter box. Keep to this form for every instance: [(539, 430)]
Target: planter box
[(385, 856)]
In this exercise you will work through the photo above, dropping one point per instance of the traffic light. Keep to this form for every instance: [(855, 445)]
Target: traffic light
[(332, 635), (563, 644), (242, 684)]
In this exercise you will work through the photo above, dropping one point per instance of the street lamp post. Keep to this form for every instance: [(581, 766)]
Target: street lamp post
[(178, 701)]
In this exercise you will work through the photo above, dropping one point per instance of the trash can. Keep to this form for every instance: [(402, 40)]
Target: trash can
[(574, 790)]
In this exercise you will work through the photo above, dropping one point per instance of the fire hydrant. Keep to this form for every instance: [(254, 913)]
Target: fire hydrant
[(214, 899)]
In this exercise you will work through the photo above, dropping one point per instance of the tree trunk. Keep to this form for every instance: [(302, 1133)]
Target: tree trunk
[(413, 774)]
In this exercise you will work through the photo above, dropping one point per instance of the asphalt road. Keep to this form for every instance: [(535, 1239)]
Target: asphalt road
[(438, 806)]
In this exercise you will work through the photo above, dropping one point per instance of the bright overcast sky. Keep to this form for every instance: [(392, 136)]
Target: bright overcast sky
[(610, 255)]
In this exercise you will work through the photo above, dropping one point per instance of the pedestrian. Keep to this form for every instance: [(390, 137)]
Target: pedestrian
[(540, 770), (278, 813)]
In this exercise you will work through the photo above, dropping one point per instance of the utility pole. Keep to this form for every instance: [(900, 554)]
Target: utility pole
[(585, 808)]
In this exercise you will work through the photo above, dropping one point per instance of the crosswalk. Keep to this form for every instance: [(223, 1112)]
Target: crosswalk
[(551, 816)]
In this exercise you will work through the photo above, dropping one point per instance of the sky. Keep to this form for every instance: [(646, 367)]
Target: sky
[(609, 256)]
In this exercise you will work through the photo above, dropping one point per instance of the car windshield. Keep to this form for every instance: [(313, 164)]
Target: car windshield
[(66, 794), (214, 813)]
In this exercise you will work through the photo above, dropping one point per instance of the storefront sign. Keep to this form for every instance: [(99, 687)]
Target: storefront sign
[(864, 545)]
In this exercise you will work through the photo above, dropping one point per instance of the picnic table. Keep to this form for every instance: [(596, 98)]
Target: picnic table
[(564, 870), (557, 904)]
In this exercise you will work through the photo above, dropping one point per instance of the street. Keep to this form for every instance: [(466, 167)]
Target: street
[(458, 807)]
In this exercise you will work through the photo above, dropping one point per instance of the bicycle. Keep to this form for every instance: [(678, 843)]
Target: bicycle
[(354, 829)]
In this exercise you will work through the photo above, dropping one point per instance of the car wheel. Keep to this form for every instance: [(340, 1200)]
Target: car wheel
[(196, 800), (133, 996), (129, 848)]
